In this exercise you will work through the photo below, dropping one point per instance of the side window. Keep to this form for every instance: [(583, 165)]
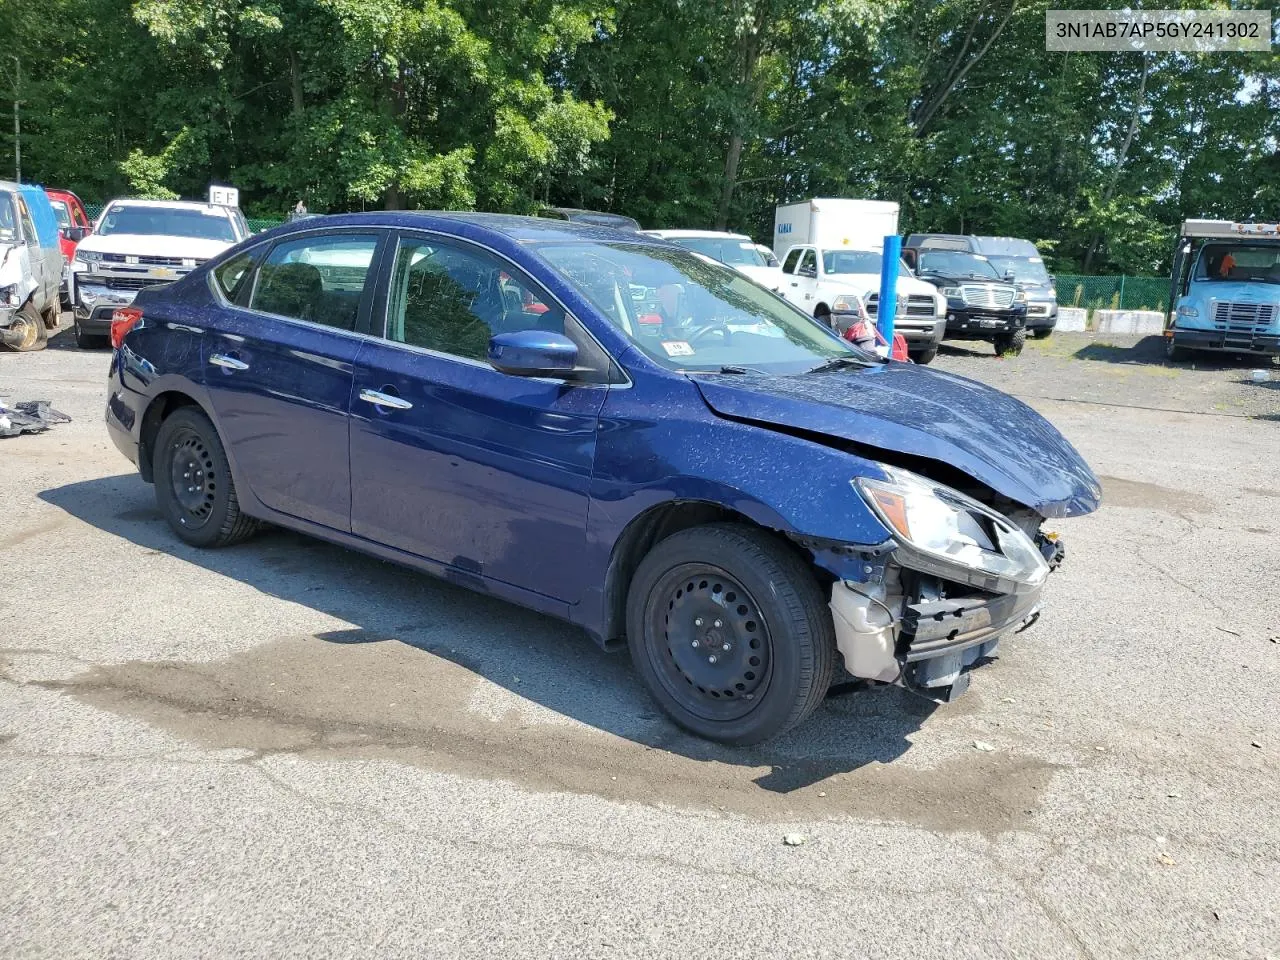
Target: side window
[(452, 299), (318, 278), (793, 257), (28, 228), (808, 264), (234, 278)]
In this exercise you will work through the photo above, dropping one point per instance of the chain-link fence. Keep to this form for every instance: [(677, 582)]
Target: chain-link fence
[(1113, 293)]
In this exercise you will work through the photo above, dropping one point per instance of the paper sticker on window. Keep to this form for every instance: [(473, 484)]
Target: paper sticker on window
[(677, 348)]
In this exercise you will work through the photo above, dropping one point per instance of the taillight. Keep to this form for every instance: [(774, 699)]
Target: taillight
[(122, 321)]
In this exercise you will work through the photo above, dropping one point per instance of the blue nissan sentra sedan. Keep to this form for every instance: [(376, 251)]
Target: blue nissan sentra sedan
[(610, 429)]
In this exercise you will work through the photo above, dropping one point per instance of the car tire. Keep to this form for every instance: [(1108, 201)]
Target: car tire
[(925, 356), (54, 315), (822, 314), (1043, 333), (729, 630), (26, 332), (1174, 353), (86, 341), (1011, 343), (194, 489)]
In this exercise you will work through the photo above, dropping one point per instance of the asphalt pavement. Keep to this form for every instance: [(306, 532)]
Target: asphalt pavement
[(285, 749)]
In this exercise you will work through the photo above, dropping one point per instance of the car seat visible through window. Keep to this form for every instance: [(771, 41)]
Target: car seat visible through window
[(290, 290)]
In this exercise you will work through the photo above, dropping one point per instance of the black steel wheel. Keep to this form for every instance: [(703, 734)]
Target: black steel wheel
[(194, 488), (729, 630)]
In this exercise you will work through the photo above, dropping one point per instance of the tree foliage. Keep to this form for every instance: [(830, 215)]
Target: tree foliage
[(678, 112)]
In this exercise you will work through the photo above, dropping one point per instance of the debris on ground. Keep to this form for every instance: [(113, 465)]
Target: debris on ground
[(983, 746), (794, 839), (29, 416)]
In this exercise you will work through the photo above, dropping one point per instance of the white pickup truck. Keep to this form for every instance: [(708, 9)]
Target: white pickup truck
[(823, 281), (139, 243)]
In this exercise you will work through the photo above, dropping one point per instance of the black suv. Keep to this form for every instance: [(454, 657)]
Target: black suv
[(981, 305)]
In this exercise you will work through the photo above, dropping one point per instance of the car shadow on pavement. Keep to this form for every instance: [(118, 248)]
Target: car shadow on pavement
[(1150, 351), (539, 670)]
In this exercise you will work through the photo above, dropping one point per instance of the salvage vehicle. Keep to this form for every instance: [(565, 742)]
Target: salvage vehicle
[(1226, 289), (1014, 259), (73, 226), (735, 249), (980, 303), (483, 404), (830, 282), (137, 244), (30, 267)]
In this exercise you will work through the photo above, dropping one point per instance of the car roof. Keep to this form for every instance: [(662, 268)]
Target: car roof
[(709, 234), (171, 205), (476, 226)]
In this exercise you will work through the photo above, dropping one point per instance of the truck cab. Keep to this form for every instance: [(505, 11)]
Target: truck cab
[(1225, 288), (30, 267), (831, 283)]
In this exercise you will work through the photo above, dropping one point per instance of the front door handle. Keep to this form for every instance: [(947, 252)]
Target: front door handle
[(794, 284), (385, 400), (229, 363)]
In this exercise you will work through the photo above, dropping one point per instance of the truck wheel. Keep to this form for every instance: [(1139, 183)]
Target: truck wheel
[(1043, 333), (1011, 343), (926, 355), (730, 633), (822, 314), (53, 315), (194, 489), (1175, 353), (26, 331)]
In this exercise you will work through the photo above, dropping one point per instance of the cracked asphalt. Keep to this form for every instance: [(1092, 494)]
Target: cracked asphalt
[(289, 750)]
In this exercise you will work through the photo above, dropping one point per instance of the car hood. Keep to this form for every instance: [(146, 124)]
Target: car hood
[(903, 408), (868, 283), (154, 245)]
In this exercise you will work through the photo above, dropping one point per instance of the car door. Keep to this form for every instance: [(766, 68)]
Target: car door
[(278, 361), (37, 262), (452, 460)]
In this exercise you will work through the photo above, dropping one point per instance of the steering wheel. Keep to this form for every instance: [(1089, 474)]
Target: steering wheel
[(694, 334)]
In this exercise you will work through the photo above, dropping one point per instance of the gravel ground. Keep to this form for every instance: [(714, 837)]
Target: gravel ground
[(285, 749)]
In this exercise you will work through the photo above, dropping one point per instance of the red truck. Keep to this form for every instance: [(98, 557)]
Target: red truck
[(73, 226)]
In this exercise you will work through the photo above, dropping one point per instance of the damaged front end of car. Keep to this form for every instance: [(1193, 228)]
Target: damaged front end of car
[(935, 599)]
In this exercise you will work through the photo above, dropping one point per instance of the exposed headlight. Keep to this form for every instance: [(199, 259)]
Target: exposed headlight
[(953, 292), (847, 303), (9, 295), (953, 536), (1188, 311), (88, 256)]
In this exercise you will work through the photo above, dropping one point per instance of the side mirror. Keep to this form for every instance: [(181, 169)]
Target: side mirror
[(75, 234), (533, 353)]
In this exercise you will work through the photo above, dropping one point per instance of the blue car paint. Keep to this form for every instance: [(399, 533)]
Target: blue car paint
[(546, 478)]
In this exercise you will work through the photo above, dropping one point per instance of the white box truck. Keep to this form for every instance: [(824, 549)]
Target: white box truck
[(831, 260), (832, 222)]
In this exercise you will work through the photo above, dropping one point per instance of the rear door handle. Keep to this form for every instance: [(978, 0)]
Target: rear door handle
[(229, 363), (385, 400)]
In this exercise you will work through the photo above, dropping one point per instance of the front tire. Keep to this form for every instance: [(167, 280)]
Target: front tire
[(925, 356), (194, 489), (1011, 344), (27, 332), (1175, 353), (729, 630)]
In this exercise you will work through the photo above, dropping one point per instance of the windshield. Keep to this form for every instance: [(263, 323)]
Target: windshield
[(725, 249), (856, 261), (168, 222), (61, 212), (1024, 269), (1239, 263), (8, 220), (693, 315), (953, 263)]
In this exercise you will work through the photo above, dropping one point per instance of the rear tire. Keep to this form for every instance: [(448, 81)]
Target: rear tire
[(729, 630), (1011, 343), (194, 489), (925, 356), (27, 332)]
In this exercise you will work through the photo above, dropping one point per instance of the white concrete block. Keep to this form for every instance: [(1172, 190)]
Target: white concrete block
[(1072, 319), (1128, 321)]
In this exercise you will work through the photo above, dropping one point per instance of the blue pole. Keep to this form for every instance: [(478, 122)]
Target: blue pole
[(887, 309)]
